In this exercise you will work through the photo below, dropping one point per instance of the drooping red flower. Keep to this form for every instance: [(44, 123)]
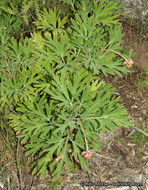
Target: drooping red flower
[(128, 63), (87, 154)]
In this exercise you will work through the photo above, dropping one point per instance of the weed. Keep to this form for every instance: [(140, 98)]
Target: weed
[(142, 81), (139, 137)]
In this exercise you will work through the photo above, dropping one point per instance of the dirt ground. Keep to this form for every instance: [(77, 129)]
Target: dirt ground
[(122, 159)]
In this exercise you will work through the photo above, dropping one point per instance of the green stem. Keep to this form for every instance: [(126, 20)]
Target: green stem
[(116, 53)]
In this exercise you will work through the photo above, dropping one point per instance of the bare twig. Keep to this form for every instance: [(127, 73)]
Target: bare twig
[(106, 157), (18, 168), (117, 161), (8, 182), (141, 131)]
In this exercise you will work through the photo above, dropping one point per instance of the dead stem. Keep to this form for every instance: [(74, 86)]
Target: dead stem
[(18, 167), (141, 131)]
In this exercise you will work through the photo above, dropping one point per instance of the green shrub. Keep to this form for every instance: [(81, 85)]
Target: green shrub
[(50, 84), (25, 9)]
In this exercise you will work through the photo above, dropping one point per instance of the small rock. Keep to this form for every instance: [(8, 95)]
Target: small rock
[(134, 107)]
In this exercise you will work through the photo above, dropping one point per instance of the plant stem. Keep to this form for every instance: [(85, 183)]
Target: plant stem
[(67, 133), (116, 53), (84, 136)]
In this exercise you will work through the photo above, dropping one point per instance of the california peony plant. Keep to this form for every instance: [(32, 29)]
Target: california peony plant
[(57, 103)]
